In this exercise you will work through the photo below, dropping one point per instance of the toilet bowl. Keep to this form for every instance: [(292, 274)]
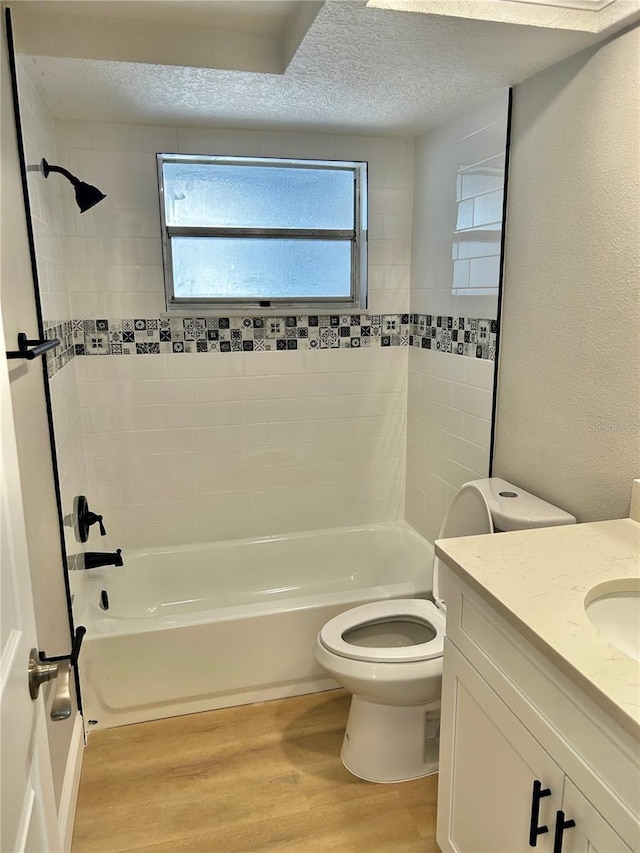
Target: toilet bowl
[(389, 654)]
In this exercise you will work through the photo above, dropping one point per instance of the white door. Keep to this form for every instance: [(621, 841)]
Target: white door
[(28, 820)]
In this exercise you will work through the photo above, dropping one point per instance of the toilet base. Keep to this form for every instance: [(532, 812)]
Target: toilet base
[(391, 743)]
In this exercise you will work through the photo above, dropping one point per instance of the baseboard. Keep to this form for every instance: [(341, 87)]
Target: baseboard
[(69, 797)]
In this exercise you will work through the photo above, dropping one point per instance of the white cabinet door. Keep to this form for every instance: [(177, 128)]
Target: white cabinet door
[(591, 833), (488, 765)]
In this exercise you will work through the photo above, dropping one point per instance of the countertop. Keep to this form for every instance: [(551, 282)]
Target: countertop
[(538, 580)]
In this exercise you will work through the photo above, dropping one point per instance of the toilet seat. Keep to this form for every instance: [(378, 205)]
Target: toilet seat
[(412, 609)]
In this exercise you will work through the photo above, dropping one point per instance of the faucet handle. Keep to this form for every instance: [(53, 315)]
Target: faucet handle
[(84, 518), (92, 518)]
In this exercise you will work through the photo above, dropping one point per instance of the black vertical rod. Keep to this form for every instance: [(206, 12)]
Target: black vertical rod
[(38, 305), (503, 243)]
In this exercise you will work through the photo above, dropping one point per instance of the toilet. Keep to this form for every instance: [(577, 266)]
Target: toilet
[(388, 654)]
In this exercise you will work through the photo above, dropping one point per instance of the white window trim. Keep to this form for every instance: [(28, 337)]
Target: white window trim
[(356, 301)]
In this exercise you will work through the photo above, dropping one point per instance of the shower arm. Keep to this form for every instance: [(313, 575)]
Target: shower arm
[(46, 169)]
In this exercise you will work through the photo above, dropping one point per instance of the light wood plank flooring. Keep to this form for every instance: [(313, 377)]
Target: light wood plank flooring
[(264, 777)]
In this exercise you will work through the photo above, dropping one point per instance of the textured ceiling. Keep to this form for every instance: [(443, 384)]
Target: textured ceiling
[(357, 70), (263, 17)]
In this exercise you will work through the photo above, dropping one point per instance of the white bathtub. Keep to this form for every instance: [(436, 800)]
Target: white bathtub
[(199, 627)]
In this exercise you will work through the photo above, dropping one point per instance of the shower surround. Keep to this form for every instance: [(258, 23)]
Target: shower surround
[(229, 429), (185, 430)]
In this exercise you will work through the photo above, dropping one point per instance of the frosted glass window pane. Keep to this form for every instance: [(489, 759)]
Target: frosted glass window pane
[(246, 268), (258, 196)]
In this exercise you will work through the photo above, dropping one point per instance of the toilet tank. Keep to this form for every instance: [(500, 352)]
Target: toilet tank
[(512, 508)]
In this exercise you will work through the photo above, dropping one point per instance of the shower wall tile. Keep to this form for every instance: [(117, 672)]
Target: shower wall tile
[(190, 445), (193, 366), (112, 278), (448, 438), (211, 446), (455, 268), (110, 136), (129, 178), (119, 223), (303, 145), (120, 159), (476, 430), (457, 213), (210, 140), (473, 401), (48, 215)]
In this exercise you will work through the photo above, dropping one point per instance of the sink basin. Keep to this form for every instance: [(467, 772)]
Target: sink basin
[(613, 607)]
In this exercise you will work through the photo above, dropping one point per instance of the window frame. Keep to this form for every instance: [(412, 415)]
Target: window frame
[(358, 236)]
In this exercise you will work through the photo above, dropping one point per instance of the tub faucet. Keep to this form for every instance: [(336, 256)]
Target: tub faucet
[(95, 559)]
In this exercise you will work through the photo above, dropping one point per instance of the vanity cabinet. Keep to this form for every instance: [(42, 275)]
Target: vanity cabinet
[(526, 760)]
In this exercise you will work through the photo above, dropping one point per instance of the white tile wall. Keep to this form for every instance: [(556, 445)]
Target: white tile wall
[(116, 250), (45, 196), (448, 432), (195, 447), (239, 444), (459, 175), (454, 272), (47, 211)]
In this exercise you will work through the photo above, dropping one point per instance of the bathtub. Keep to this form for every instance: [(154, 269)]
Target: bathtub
[(199, 627)]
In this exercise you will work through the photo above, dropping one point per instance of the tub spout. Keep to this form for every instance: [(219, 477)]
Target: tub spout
[(95, 559)]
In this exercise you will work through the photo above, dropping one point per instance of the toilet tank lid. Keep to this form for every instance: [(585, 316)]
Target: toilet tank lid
[(513, 508)]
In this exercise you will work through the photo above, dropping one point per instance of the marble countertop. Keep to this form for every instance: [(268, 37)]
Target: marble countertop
[(538, 580)]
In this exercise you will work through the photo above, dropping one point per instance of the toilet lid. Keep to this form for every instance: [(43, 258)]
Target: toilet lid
[(398, 625), (468, 515)]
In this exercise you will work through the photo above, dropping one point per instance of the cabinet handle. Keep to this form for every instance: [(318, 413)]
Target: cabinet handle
[(534, 830), (561, 825)]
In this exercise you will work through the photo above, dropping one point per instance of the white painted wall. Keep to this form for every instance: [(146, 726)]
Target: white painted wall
[(568, 423)]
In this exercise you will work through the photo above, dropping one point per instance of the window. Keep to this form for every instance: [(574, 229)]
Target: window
[(262, 234)]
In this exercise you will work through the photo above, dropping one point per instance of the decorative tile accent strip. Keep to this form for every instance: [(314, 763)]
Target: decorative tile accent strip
[(61, 355), (467, 336), (475, 338), (239, 334)]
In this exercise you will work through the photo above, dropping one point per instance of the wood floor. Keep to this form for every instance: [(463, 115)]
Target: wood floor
[(264, 777)]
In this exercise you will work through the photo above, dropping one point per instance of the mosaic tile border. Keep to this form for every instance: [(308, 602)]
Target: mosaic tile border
[(61, 355), (239, 334), (472, 337)]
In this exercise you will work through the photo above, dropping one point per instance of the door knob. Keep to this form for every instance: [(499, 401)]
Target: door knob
[(40, 673)]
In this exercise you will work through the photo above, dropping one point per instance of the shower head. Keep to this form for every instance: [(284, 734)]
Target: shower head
[(86, 195)]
